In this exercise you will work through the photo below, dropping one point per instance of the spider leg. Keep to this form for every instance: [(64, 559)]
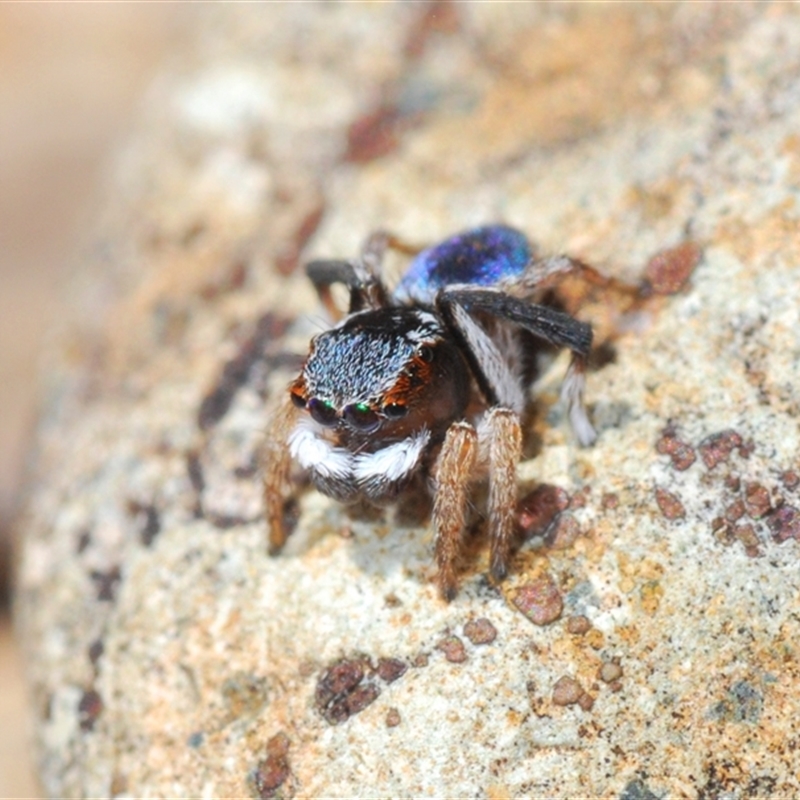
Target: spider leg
[(494, 377), (553, 326), (501, 427), (492, 374), (572, 396), (275, 465), (361, 277), (546, 274), (453, 471), (324, 273)]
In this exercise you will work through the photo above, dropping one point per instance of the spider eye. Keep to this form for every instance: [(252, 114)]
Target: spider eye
[(298, 400), (361, 417), (426, 353), (395, 410), (322, 411)]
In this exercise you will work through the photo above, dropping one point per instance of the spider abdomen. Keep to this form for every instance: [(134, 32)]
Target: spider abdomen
[(479, 257)]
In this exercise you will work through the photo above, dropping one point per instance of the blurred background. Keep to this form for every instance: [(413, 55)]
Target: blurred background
[(71, 79)]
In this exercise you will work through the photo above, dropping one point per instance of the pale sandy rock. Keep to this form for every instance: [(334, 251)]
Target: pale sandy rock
[(170, 656)]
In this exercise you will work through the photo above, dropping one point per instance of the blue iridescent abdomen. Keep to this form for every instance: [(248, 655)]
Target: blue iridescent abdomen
[(480, 256)]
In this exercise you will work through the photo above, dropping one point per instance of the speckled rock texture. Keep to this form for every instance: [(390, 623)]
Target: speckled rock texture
[(169, 655)]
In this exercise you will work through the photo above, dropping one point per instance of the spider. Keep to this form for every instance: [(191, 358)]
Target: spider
[(425, 385)]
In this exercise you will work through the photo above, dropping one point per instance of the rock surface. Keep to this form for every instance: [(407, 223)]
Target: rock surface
[(169, 655)]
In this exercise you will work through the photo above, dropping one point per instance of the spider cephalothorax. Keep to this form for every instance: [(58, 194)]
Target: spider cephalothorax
[(426, 382)]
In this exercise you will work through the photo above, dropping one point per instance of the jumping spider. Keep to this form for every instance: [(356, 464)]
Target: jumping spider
[(426, 384)]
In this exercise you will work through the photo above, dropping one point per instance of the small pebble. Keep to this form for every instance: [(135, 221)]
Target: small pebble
[(670, 504), (716, 448), (540, 601), (578, 625), (586, 701), (567, 691), (784, 523), (756, 500), (453, 649), (537, 510), (610, 671), (668, 270), (390, 669), (480, 631), (392, 718), (565, 532)]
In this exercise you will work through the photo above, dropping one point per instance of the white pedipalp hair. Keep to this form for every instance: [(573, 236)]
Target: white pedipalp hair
[(313, 452), (388, 465), (391, 463)]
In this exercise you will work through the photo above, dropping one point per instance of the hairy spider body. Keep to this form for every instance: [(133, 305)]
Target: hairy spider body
[(426, 382)]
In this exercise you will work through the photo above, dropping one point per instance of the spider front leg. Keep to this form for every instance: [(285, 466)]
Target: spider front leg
[(276, 462), (501, 427), (454, 468)]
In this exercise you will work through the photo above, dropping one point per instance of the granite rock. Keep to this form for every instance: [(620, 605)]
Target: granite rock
[(170, 655)]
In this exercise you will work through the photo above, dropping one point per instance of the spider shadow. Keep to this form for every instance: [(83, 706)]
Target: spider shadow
[(403, 540)]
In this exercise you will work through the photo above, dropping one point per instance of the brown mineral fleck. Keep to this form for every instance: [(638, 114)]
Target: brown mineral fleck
[(236, 372), (361, 697), (666, 443), (610, 671), (306, 668), (670, 505), (96, 649), (436, 17), (107, 583), (287, 259), (733, 482), (734, 511), (580, 498), (784, 523), (340, 692), (272, 772), (480, 631), (683, 456), (343, 676), (373, 135), (668, 270), (747, 535), (578, 625), (586, 701), (278, 745), (747, 449), (566, 691), (723, 531), (681, 453), (453, 649), (390, 669), (609, 500), (717, 448), (392, 718), (89, 708), (756, 500), (540, 601), (392, 600), (227, 278), (420, 660), (148, 520), (790, 479), (564, 533), (537, 510)]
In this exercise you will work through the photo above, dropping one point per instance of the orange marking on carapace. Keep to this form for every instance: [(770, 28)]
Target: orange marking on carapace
[(411, 383)]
